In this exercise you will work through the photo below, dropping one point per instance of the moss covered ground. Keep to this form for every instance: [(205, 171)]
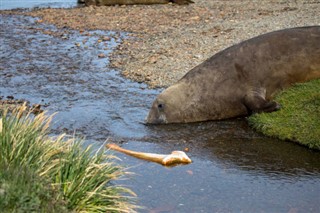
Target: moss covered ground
[(298, 119)]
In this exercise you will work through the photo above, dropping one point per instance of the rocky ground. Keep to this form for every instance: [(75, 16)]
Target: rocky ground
[(11, 104), (166, 41)]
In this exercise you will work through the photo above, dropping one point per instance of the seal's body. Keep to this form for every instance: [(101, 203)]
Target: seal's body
[(130, 2), (242, 78)]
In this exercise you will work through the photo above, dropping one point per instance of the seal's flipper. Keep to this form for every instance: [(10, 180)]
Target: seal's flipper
[(256, 104)]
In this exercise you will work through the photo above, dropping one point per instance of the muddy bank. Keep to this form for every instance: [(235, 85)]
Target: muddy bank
[(166, 41)]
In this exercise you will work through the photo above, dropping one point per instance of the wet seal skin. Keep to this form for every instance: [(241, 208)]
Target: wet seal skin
[(241, 79)]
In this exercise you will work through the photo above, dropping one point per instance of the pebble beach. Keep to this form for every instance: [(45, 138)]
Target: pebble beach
[(165, 41)]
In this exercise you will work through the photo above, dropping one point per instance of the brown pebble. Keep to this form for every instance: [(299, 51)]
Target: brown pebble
[(101, 55)]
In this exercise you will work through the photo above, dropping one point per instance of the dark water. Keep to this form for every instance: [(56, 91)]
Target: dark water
[(234, 169), (14, 4)]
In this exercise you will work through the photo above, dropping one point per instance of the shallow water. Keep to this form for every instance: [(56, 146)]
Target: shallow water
[(22, 4), (234, 169)]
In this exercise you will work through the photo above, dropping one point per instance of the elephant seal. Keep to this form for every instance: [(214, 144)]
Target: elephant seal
[(242, 78), (130, 2)]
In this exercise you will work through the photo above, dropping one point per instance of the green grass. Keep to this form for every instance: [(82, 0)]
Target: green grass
[(299, 118), (22, 190), (39, 173)]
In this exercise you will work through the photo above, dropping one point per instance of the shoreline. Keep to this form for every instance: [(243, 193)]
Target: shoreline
[(165, 41)]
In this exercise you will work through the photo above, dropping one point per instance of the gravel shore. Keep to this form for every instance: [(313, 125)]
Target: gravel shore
[(166, 41)]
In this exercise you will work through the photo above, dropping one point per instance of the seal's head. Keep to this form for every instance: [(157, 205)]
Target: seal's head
[(167, 108), (176, 104)]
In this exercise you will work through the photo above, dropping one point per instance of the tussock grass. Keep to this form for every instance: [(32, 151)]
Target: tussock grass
[(22, 190), (64, 175), (299, 118)]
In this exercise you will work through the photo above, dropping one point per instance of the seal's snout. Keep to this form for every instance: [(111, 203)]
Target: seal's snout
[(147, 121), (154, 118), (150, 118), (156, 114)]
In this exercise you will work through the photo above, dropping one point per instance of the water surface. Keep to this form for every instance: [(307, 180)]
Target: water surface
[(234, 169), (23, 4)]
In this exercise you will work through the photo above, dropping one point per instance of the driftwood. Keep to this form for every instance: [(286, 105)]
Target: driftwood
[(175, 158), (128, 2)]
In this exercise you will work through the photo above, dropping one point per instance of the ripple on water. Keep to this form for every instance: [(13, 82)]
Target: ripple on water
[(234, 169), (14, 4)]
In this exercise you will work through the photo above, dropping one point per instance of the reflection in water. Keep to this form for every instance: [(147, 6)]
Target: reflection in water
[(230, 182), (234, 142), (234, 169)]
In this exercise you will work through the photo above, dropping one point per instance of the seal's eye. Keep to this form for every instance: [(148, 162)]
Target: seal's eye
[(160, 106)]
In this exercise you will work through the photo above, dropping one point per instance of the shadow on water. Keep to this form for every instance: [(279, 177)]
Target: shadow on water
[(234, 169)]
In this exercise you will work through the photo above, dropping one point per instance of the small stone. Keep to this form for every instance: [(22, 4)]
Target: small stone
[(39, 21), (106, 38), (101, 55)]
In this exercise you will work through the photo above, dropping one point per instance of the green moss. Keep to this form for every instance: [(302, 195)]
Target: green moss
[(299, 118)]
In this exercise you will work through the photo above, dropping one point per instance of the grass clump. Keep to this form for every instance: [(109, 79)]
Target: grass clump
[(22, 190), (299, 118), (46, 174)]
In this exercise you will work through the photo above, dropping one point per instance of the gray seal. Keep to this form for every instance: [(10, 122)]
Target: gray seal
[(130, 2), (242, 78)]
